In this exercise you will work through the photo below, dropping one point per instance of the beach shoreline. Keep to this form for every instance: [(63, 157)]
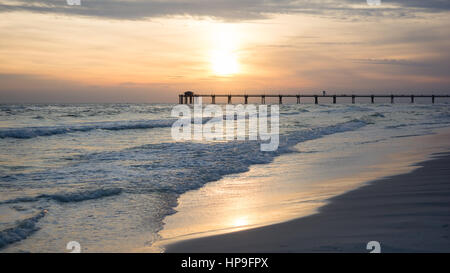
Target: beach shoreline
[(404, 213)]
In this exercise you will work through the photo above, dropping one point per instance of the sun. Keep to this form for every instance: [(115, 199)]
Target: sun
[(240, 222), (224, 48), (224, 63)]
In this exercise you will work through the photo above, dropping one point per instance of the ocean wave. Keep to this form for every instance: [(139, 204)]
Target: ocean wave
[(182, 166), (163, 170), (410, 135), (67, 197), (377, 115), (169, 167), (397, 126), (315, 133), (345, 109), (31, 132), (21, 231), (294, 113)]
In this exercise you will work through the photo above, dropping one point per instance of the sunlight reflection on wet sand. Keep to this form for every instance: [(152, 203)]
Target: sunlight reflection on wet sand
[(259, 197)]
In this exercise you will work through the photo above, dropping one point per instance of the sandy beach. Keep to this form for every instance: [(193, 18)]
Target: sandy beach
[(404, 213)]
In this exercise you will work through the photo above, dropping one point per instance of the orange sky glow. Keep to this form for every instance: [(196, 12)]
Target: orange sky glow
[(64, 57)]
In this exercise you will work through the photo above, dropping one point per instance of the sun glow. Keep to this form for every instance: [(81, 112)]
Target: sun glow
[(224, 58), (240, 222), (224, 63)]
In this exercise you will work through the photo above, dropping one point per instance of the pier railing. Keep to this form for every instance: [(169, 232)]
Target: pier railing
[(188, 97)]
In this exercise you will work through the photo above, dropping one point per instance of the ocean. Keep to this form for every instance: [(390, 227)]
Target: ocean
[(108, 175)]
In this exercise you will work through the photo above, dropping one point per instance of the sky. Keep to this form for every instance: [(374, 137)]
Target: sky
[(150, 51)]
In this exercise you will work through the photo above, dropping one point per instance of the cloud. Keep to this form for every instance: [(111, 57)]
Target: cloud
[(430, 5), (388, 62), (230, 10)]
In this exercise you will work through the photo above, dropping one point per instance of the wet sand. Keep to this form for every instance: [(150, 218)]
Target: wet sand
[(404, 213)]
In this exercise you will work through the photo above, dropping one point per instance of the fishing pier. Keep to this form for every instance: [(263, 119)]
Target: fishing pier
[(188, 97)]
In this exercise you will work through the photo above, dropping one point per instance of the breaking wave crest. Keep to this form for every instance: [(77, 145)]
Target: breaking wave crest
[(30, 132), (67, 197), (21, 231)]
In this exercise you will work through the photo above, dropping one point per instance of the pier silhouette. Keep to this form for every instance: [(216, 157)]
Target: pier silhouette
[(188, 97)]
